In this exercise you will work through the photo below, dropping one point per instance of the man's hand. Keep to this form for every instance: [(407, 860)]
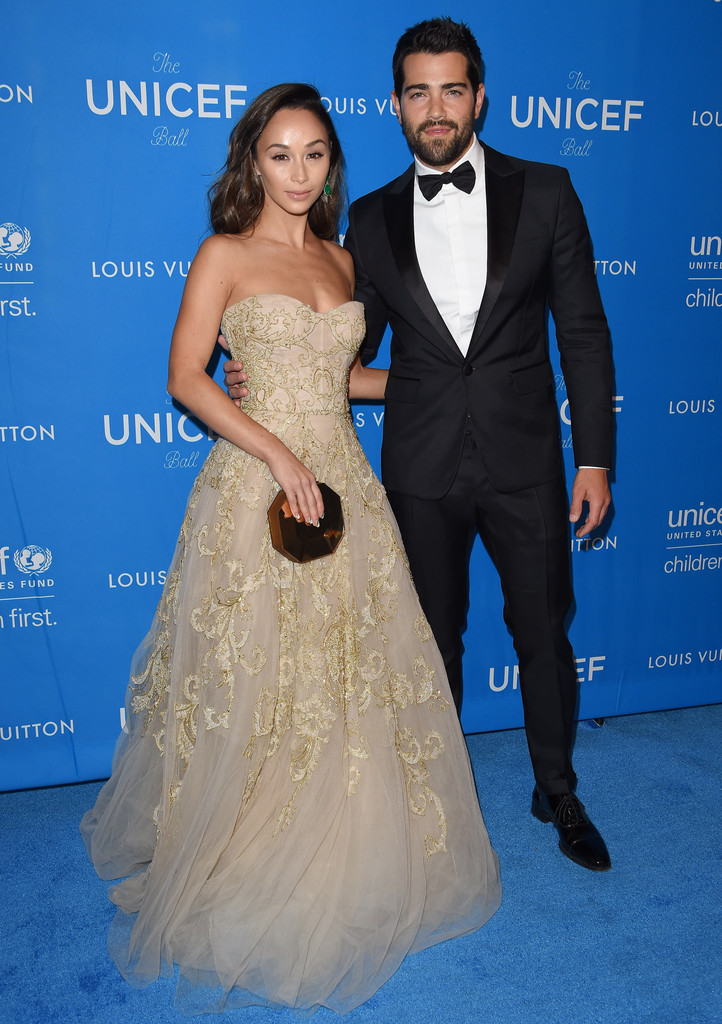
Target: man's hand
[(590, 485), (235, 380)]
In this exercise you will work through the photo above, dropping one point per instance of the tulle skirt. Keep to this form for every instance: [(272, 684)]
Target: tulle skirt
[(292, 807)]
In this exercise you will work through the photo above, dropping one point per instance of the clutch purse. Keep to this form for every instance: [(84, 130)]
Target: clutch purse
[(296, 539)]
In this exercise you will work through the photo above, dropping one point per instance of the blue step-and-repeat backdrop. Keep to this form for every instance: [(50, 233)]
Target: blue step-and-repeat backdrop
[(114, 120)]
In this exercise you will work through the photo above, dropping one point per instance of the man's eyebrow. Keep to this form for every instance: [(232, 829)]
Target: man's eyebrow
[(445, 85)]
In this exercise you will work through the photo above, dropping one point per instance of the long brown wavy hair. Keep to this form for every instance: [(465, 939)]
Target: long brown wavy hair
[(237, 196)]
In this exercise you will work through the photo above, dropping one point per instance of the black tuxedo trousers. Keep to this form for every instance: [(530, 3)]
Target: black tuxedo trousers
[(527, 538)]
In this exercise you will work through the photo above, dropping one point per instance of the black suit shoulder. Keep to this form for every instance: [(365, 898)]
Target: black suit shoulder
[(539, 174), (372, 199), (505, 163)]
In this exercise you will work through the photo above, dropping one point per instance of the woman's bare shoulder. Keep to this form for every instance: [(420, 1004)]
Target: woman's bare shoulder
[(221, 246), (226, 255), (342, 259)]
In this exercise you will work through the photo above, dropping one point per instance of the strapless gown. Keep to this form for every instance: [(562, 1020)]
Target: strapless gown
[(292, 800)]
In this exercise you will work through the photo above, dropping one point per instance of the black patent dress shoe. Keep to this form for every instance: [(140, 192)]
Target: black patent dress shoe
[(578, 838)]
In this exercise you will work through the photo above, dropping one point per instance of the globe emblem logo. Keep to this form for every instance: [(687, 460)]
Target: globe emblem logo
[(33, 559), (14, 240)]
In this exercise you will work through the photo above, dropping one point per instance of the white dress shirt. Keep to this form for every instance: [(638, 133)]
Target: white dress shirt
[(451, 246)]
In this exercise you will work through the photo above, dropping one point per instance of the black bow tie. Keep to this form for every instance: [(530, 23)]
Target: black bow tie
[(464, 177)]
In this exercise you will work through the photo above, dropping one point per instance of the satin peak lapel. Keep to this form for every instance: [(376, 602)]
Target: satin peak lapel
[(504, 192), (399, 215)]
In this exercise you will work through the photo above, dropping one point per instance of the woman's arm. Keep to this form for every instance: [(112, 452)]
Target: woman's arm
[(205, 297), (366, 381)]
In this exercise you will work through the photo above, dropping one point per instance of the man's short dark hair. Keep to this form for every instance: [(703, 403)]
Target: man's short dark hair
[(439, 35)]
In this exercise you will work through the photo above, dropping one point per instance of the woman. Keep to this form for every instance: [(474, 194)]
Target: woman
[(293, 801)]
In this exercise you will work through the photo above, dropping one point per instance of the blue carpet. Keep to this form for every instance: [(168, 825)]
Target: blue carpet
[(640, 944)]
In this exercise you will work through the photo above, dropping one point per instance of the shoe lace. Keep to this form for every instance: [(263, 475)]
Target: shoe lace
[(570, 811)]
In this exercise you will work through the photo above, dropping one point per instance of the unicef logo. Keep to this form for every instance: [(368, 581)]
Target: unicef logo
[(33, 559), (14, 240)]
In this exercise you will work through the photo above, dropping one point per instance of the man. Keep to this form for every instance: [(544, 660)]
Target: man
[(462, 255)]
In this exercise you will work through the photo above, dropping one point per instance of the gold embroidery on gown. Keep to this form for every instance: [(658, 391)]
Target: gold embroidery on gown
[(293, 800)]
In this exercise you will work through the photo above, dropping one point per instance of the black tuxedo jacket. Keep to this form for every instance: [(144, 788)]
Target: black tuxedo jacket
[(539, 259)]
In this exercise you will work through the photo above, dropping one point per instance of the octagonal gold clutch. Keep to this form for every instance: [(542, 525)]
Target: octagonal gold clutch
[(296, 539)]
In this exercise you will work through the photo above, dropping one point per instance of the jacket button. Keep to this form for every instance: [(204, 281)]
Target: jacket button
[(468, 370)]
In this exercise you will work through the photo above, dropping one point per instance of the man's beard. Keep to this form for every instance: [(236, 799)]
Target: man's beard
[(440, 152)]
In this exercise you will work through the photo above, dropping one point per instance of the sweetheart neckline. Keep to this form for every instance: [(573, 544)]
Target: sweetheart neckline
[(282, 295)]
